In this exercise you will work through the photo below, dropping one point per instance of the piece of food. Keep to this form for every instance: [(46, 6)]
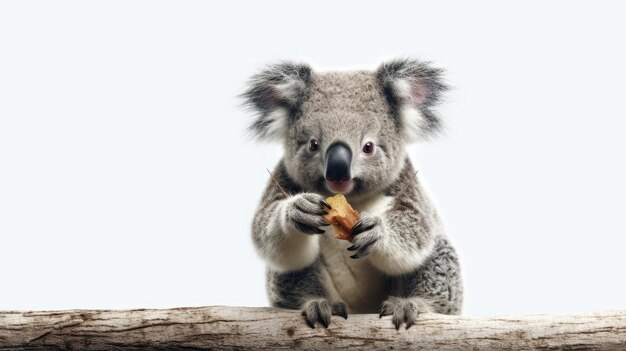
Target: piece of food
[(341, 216)]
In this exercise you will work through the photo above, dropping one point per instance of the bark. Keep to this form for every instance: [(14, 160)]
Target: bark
[(252, 328)]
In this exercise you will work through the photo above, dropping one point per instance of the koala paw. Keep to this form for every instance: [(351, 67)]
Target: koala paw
[(320, 310), (404, 310), (367, 233), (304, 213)]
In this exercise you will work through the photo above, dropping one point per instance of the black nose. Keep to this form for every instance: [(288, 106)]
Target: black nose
[(338, 159)]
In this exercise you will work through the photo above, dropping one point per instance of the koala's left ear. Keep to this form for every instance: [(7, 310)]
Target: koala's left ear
[(412, 88), (276, 94)]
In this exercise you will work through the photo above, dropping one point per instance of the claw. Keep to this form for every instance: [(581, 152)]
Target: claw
[(323, 223), (367, 248), (340, 309), (384, 311), (397, 322), (325, 322), (404, 310), (409, 315), (356, 227), (352, 248), (309, 321), (317, 311), (325, 203), (359, 227), (323, 313), (355, 256)]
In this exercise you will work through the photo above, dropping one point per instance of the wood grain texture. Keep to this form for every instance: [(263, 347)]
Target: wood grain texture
[(252, 328)]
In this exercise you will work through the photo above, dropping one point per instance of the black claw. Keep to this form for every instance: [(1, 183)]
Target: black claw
[(309, 321), (354, 256), (340, 309), (383, 312), (409, 324), (352, 248), (397, 322), (325, 203), (324, 312), (409, 313), (323, 223), (356, 227), (360, 227), (365, 249)]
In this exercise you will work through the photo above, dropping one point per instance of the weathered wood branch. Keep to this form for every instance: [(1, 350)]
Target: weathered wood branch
[(235, 328)]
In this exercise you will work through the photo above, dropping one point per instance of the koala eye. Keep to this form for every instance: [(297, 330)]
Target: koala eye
[(314, 145), (368, 148)]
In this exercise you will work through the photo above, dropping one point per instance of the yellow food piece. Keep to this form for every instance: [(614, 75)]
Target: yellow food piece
[(341, 216)]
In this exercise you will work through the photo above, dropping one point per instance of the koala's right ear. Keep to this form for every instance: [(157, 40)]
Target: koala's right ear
[(276, 94)]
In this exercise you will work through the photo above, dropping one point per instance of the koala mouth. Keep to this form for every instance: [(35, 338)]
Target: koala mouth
[(340, 187)]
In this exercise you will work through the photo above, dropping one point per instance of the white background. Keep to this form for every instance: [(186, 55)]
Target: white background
[(126, 179)]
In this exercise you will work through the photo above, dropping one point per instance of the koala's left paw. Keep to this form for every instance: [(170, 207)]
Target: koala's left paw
[(404, 310), (367, 232)]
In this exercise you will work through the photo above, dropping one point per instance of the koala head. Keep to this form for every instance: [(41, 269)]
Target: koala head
[(345, 132)]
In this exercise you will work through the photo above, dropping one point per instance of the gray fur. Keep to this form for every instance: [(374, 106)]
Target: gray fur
[(279, 85), (406, 242), (422, 74), (343, 106)]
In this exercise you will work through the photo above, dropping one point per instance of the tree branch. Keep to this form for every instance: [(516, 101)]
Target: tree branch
[(252, 328)]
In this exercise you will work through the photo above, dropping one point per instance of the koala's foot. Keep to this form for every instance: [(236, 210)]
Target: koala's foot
[(404, 310), (320, 310)]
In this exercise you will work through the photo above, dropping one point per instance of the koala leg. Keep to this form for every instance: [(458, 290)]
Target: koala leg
[(434, 287), (303, 290)]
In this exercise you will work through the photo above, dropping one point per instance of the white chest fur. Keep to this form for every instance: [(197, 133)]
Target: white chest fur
[(354, 281)]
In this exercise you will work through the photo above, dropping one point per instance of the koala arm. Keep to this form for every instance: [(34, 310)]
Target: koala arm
[(407, 231), (285, 228)]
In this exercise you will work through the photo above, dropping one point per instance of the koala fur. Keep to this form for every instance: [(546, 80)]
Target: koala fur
[(400, 263)]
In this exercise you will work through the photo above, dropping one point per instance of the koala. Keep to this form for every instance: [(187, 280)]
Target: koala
[(346, 132)]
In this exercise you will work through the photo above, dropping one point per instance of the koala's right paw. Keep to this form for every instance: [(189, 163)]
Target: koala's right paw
[(320, 310), (304, 213)]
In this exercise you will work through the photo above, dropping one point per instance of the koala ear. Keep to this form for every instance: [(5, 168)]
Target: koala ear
[(412, 88), (276, 94)]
